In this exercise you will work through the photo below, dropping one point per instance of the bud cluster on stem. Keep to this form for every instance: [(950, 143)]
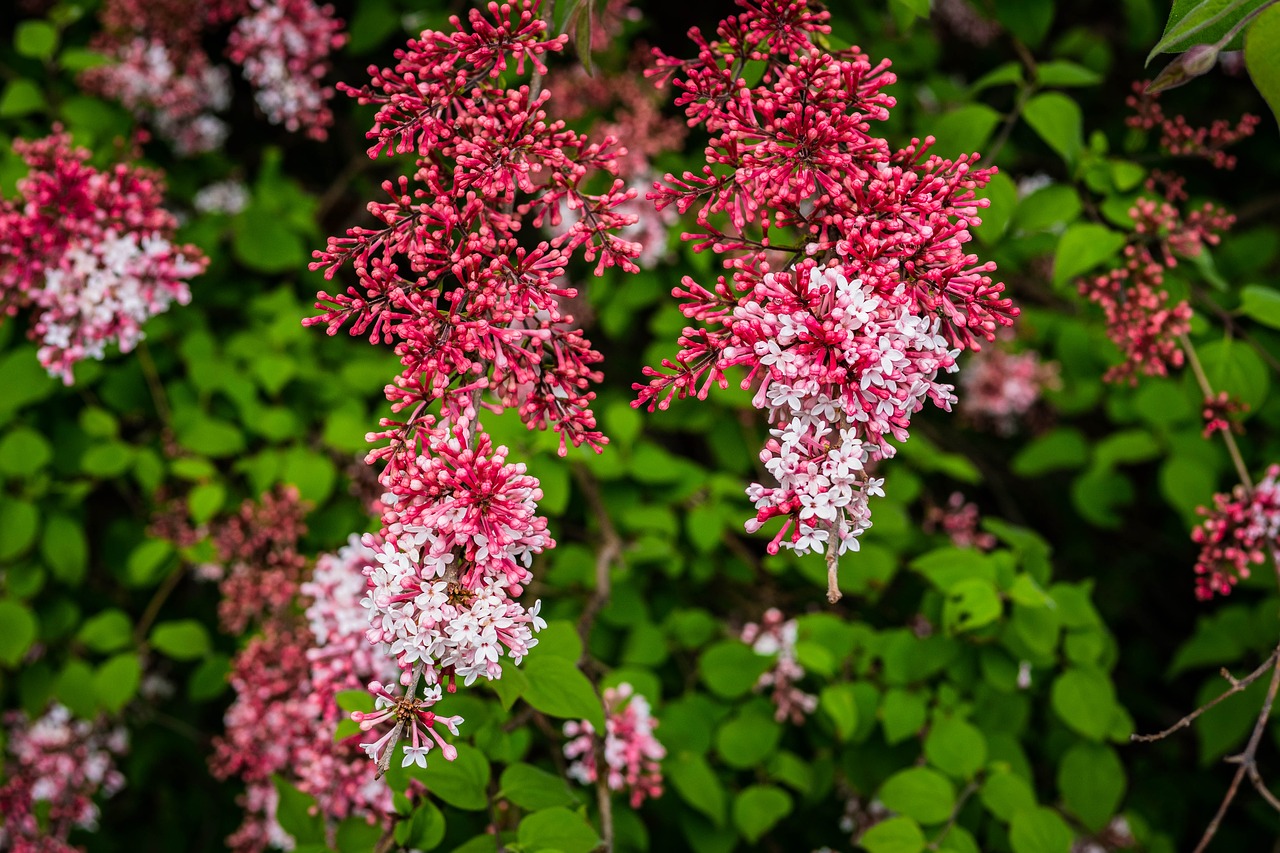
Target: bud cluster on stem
[(848, 287), (473, 309)]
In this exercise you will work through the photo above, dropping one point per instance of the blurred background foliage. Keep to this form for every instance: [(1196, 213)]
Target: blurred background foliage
[(984, 698)]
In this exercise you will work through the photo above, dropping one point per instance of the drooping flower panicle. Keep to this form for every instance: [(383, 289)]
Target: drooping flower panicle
[(90, 251), (474, 310), (848, 287), (631, 750)]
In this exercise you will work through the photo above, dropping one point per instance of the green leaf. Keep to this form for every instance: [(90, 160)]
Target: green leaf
[(1029, 20), (730, 668), (748, 737), (147, 562), (23, 452), (65, 549), (424, 831), (263, 241), (117, 680), (182, 639), (1256, 302), (1040, 830), (107, 460), (758, 809), (1091, 779), (462, 782), (971, 604), (902, 714), (1085, 700), (956, 747), (965, 129), (1048, 207), (559, 639), (19, 523), (107, 631), (557, 687), (18, 629), (312, 472), (1201, 22), (35, 39), (1084, 246), (1059, 122), (919, 793), (205, 500), (1233, 366), (895, 835), (697, 784), (21, 97), (1005, 794), (1060, 72), (357, 835), (532, 788), (1262, 56), (557, 829), (1002, 192), (209, 678), (1061, 449), (294, 813), (211, 437), (837, 702)]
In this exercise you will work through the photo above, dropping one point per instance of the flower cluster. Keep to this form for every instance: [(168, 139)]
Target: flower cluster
[(1222, 413), (225, 197), (1242, 530), (56, 766), (475, 316), (959, 520), (284, 47), (282, 722), (1140, 318), (1000, 387), (849, 287), (90, 251), (775, 635), (631, 752), (260, 567), (162, 74), (176, 93), (1180, 138)]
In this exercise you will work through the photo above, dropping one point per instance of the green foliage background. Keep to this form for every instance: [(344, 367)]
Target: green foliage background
[(917, 669)]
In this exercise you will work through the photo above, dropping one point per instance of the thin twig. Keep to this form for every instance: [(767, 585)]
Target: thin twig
[(384, 761), (1237, 685), (154, 385), (1246, 760), (1207, 389), (606, 555), (157, 601)]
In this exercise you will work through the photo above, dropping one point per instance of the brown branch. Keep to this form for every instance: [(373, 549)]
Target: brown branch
[(1237, 685), (1247, 762), (610, 551), (1207, 389)]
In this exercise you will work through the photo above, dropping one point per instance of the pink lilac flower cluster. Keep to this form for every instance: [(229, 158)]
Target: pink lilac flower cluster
[(959, 519), (162, 74), (1242, 530), (474, 314), (176, 93), (849, 288), (284, 47), (775, 635), (55, 768), (1140, 318), (1222, 414), (1001, 387), (91, 252), (632, 754), (286, 681), (260, 567), (1179, 138)]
